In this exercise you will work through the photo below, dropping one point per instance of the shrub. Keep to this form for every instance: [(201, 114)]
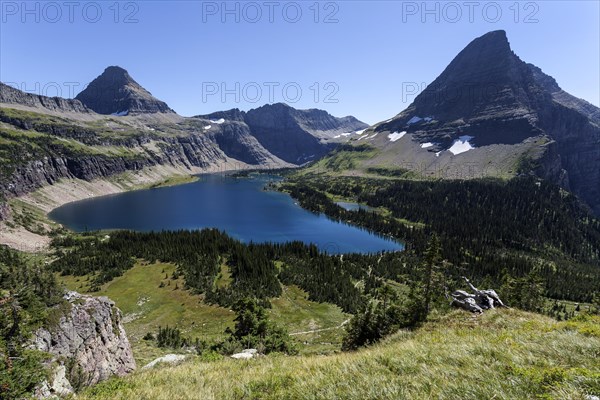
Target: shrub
[(171, 337), (254, 330)]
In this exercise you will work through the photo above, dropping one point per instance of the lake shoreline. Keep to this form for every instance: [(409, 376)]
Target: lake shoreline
[(240, 207), (46, 199)]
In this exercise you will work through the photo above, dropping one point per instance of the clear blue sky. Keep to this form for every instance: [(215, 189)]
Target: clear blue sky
[(180, 50)]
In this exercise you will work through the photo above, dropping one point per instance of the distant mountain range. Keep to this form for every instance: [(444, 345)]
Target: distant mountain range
[(115, 125), (295, 136), (488, 114), (491, 114)]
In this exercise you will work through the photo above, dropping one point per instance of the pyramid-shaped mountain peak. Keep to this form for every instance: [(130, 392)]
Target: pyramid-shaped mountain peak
[(116, 92)]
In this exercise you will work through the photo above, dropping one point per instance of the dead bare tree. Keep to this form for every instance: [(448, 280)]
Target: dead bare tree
[(478, 301)]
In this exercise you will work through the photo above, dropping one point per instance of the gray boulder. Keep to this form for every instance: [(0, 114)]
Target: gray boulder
[(245, 354), (172, 359)]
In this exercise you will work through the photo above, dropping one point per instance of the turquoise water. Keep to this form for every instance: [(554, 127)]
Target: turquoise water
[(238, 206)]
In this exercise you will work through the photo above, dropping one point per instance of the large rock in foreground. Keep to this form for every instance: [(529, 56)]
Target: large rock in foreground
[(89, 339)]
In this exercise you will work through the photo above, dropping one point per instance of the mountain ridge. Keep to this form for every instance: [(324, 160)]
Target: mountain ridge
[(11, 95), (291, 134), (487, 114), (491, 114)]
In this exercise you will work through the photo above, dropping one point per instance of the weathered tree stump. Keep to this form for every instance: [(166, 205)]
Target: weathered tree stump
[(476, 302)]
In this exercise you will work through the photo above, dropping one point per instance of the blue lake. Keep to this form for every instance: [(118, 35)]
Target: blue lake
[(238, 206)]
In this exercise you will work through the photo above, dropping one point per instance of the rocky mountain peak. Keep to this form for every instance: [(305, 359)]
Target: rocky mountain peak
[(487, 59), (491, 44), (116, 92), (271, 114), (486, 92), (484, 72), (117, 75), (487, 97)]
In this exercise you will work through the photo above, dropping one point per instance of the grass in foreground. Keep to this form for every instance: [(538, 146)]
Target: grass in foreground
[(503, 354)]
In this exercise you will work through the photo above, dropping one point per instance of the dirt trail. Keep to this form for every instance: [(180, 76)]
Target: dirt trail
[(321, 329)]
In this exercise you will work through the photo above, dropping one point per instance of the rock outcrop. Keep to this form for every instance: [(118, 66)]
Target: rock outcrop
[(58, 386), (116, 92), (89, 341)]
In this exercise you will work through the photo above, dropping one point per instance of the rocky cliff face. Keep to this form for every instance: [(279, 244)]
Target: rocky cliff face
[(190, 151), (89, 340), (295, 136), (10, 95), (490, 97), (115, 92), (578, 150), (277, 129), (236, 140), (49, 170)]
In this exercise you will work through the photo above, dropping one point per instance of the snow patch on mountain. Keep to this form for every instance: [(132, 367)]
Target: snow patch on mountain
[(396, 136), (344, 134), (461, 145)]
